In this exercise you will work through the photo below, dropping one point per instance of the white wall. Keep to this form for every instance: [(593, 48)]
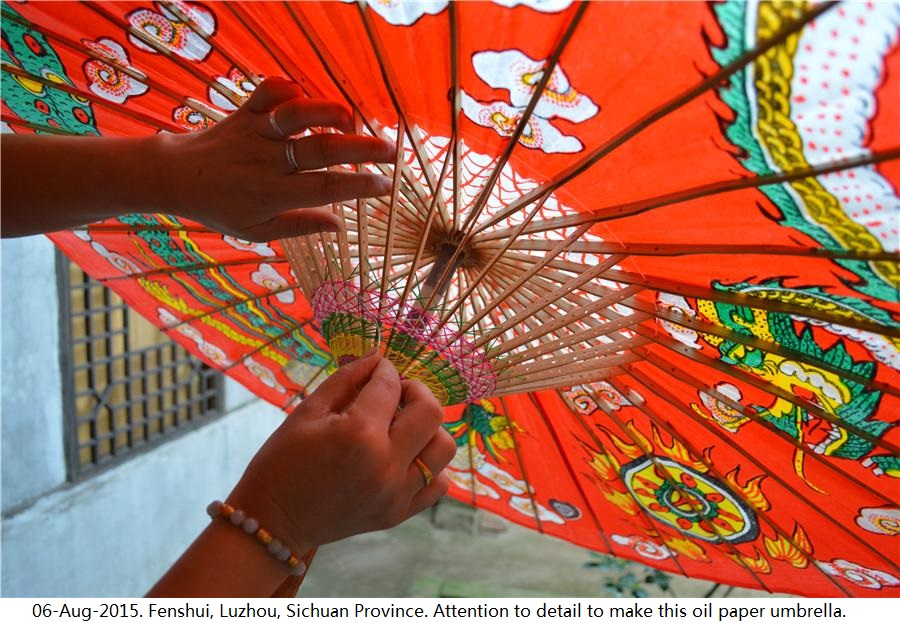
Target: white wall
[(115, 533)]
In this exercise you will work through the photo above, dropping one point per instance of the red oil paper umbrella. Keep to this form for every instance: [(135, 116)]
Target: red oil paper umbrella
[(645, 253)]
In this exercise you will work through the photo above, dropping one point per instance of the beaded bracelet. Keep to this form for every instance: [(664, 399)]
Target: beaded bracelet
[(276, 548)]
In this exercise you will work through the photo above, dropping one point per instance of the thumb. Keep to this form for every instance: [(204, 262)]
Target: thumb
[(340, 389)]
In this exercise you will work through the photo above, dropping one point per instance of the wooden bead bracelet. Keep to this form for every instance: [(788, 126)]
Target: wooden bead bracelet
[(276, 548)]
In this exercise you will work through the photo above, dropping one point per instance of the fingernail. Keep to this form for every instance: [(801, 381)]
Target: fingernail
[(385, 184), (332, 227)]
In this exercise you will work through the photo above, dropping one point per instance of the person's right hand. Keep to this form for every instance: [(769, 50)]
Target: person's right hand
[(344, 461), (235, 177)]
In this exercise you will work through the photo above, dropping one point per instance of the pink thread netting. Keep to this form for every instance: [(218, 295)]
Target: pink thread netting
[(386, 311)]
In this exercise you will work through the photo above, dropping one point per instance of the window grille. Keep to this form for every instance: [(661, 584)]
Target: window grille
[(126, 385)]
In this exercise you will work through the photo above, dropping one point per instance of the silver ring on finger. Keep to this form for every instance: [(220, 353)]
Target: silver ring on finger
[(289, 153), (274, 123)]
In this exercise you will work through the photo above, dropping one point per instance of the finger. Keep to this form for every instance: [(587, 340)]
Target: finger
[(323, 187), (378, 400), (271, 93), (294, 223), (339, 390), (429, 495), (299, 114), (324, 150), (436, 455), (417, 422)]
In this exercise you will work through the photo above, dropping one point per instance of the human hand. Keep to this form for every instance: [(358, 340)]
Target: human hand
[(236, 177), (343, 462)]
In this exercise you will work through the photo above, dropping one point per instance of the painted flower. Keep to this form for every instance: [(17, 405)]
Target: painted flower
[(643, 547), (167, 29), (269, 278), (884, 520), (191, 119), (263, 374), (105, 79), (260, 248), (857, 574), (235, 82)]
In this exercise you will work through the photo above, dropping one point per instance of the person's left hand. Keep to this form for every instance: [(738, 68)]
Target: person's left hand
[(237, 178)]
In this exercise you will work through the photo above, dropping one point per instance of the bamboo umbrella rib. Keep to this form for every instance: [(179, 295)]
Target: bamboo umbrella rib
[(699, 456), (698, 192), (155, 124), (664, 394), (420, 246), (735, 298), (766, 386), (521, 124), (546, 73), (453, 17), (653, 249), (675, 483), (287, 333), (392, 85), (189, 268), (344, 86), (13, 121), (528, 487), (598, 356), (573, 340), (565, 289), (213, 44), (702, 326), (601, 329), (583, 363), (710, 82), (389, 240), (676, 373), (283, 60), (513, 386), (592, 434), (570, 469)]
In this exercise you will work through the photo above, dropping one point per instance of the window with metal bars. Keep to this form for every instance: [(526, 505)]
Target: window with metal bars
[(126, 385)]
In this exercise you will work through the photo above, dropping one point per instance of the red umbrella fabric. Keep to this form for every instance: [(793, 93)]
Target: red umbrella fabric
[(646, 253)]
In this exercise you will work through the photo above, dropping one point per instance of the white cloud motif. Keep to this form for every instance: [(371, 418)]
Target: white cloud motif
[(544, 6), (880, 520), (270, 278), (519, 74), (260, 248), (525, 506), (403, 12), (105, 79), (503, 118), (168, 31), (644, 547), (264, 375)]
